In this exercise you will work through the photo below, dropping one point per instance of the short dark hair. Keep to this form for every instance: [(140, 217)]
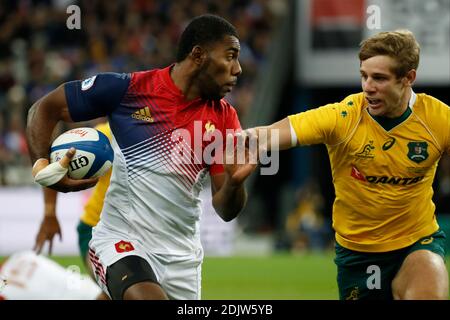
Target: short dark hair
[(202, 30)]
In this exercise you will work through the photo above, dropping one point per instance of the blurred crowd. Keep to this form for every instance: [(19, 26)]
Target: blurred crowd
[(38, 52)]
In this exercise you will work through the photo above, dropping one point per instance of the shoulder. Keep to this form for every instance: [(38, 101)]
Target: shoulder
[(354, 102), (105, 77), (435, 115), (430, 108), (155, 80), (425, 100), (143, 76), (331, 123), (350, 108)]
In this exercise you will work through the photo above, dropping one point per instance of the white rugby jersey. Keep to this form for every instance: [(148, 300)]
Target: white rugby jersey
[(158, 139)]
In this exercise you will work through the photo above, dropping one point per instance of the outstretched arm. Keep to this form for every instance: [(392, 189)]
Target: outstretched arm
[(42, 119), (277, 136)]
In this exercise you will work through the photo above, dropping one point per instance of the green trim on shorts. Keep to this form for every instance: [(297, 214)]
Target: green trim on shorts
[(84, 236), (356, 271)]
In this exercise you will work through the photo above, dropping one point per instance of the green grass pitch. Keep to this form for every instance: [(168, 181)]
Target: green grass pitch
[(309, 276), (287, 277)]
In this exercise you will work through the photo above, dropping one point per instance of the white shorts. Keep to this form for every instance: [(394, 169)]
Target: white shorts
[(178, 275)]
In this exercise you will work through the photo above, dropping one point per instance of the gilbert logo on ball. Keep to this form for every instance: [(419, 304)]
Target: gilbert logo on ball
[(93, 156)]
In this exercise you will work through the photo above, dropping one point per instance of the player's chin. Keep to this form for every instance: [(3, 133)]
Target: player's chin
[(227, 88), (224, 91), (377, 111), (218, 95)]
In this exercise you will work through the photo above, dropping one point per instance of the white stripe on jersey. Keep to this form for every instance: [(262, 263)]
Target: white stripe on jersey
[(160, 154)]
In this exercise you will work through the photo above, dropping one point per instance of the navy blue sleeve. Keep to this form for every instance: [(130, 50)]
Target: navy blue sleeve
[(97, 96)]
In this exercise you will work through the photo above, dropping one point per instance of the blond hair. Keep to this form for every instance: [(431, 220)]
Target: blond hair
[(401, 45)]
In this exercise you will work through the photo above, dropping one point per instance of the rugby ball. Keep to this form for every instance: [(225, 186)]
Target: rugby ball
[(94, 154)]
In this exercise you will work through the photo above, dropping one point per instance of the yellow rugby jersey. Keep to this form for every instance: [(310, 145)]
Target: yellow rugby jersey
[(94, 204), (382, 178)]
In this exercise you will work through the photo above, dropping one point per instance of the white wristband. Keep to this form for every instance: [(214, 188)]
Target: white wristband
[(294, 139), (51, 174)]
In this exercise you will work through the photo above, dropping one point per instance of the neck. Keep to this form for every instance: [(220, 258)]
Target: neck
[(183, 75), (403, 105)]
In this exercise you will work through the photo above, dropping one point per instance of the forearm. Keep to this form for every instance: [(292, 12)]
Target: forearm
[(50, 197), (40, 126), (229, 200), (43, 117), (276, 136)]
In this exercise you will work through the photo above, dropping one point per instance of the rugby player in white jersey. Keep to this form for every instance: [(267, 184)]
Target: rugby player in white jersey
[(147, 243), (28, 276)]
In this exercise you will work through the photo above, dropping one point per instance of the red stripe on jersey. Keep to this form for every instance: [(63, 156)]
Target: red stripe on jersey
[(97, 266)]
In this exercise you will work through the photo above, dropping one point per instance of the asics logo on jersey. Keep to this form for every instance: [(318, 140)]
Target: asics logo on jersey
[(143, 114), (417, 151), (388, 144), (427, 241)]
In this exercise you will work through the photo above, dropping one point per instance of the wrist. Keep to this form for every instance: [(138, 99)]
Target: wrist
[(231, 184), (38, 165), (50, 214), (47, 175)]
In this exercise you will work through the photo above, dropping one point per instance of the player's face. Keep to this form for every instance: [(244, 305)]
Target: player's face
[(386, 94), (221, 69)]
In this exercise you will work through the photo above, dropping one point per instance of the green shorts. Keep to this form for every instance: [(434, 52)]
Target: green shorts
[(365, 275), (84, 236)]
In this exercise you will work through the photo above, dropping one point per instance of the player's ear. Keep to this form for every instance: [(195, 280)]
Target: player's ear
[(410, 77), (198, 54)]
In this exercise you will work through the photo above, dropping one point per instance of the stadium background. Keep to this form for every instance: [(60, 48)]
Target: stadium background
[(309, 49)]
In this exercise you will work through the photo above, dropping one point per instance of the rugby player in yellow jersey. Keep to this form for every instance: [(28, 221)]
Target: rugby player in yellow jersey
[(89, 219), (384, 145)]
